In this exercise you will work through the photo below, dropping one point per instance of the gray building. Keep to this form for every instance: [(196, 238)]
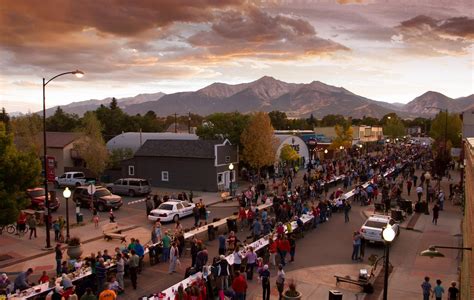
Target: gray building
[(134, 140), (184, 164)]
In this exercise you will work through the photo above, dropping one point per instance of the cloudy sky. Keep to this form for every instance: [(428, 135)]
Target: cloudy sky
[(389, 50)]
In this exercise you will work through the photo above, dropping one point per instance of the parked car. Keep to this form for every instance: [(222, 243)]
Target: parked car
[(37, 197), (130, 187), (171, 210), (102, 199), (373, 226), (72, 179)]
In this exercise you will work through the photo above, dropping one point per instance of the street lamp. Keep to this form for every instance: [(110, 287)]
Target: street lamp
[(427, 179), (79, 74), (66, 195), (432, 252), (388, 234), (231, 168)]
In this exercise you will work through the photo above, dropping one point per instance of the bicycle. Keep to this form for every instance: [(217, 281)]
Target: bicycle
[(10, 228)]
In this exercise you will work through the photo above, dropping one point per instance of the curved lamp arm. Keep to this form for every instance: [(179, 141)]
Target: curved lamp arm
[(76, 72)]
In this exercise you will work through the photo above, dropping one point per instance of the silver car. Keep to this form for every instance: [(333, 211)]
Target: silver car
[(130, 187)]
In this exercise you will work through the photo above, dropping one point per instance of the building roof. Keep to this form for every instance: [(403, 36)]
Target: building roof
[(178, 148), (131, 140), (60, 139)]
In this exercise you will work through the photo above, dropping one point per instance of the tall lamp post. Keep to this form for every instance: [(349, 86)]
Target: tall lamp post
[(432, 252), (231, 168), (67, 195), (78, 74), (388, 234)]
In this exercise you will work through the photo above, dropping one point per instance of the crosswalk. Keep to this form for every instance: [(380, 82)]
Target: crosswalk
[(136, 201)]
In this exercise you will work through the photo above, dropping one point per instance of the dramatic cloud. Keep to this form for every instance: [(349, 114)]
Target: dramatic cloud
[(430, 36), (254, 33), (352, 1)]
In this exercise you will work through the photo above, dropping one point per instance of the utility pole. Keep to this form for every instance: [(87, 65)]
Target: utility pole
[(189, 122)]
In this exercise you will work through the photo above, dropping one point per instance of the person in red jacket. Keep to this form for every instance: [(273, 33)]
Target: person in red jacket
[(239, 285), (242, 218), (283, 249), (272, 248)]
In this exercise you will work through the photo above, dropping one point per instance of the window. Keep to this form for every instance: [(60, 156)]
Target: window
[(220, 178), (131, 170), (227, 159), (118, 182), (134, 182), (164, 176), (180, 206)]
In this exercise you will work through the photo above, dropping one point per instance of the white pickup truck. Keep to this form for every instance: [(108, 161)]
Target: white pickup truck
[(72, 179)]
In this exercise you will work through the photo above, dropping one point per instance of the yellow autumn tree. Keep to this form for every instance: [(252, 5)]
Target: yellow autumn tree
[(343, 137), (259, 142), (288, 154)]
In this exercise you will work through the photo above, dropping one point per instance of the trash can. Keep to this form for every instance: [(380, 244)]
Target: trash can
[(211, 232), (396, 214), (409, 207), (335, 295), (79, 218), (232, 224)]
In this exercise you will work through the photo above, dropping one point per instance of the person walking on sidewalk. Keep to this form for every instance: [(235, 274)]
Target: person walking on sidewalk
[(435, 214), (409, 185), (438, 290), (174, 258), (32, 224), (419, 192), (453, 292), (280, 281), (347, 208), (426, 288), (265, 279)]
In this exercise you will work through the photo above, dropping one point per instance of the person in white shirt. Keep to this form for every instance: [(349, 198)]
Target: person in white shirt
[(419, 192)]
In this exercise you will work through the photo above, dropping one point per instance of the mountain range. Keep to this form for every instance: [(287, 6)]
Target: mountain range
[(268, 94)]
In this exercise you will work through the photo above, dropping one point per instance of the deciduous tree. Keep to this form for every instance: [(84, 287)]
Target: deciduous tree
[(288, 154), (259, 142), (91, 146), (26, 130), (18, 172), (452, 126), (394, 127), (343, 136), (223, 126)]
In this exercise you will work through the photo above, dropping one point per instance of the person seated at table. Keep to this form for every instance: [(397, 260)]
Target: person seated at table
[(114, 285), (64, 267), (4, 283), (68, 292), (106, 255), (21, 282), (65, 281), (44, 278)]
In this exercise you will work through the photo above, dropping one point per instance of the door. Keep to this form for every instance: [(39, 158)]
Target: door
[(180, 209), (117, 188)]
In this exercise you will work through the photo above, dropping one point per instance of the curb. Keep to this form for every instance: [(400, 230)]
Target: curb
[(23, 259)]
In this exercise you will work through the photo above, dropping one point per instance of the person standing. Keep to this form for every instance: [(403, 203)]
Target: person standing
[(409, 185), (100, 274), (280, 281), (107, 293), (237, 259), (196, 215), (120, 270), (251, 260), (435, 214), (21, 223), (441, 199), (174, 256), (438, 290), (95, 217), (166, 240), (355, 245), (265, 279), (133, 263), (292, 241), (223, 272), (149, 205), (59, 257), (426, 288), (362, 247), (239, 285), (347, 208), (32, 224), (222, 242), (453, 292)]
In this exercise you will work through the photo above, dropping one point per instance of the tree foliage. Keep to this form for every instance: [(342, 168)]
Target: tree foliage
[(18, 172), (26, 130), (446, 123), (223, 126), (333, 120), (343, 137), (288, 154), (117, 155), (278, 119), (92, 147), (259, 142), (61, 121), (394, 127)]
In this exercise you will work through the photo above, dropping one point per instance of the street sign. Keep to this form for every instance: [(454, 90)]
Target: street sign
[(91, 189)]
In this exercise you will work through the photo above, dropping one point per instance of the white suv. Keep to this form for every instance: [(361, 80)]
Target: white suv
[(373, 226)]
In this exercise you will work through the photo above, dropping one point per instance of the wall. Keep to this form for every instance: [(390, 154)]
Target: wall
[(468, 123), (467, 264), (184, 173), (59, 157)]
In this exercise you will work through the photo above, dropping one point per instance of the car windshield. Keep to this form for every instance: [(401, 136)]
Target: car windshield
[(375, 224), (102, 193), (165, 206), (36, 193)]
